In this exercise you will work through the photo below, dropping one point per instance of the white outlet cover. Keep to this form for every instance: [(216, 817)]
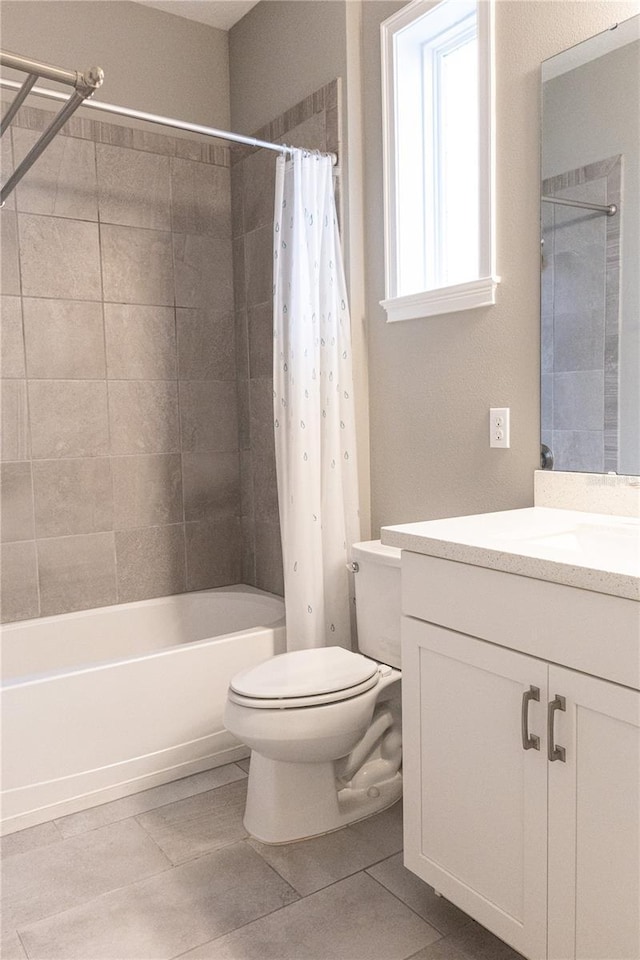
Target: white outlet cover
[(499, 427)]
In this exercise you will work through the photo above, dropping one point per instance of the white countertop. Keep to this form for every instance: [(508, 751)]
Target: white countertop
[(592, 551)]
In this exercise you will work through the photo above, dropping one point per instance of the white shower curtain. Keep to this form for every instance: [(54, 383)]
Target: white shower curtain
[(313, 406)]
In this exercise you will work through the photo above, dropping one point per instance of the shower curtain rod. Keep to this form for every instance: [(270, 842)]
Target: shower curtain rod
[(84, 86), (609, 208), (162, 121)]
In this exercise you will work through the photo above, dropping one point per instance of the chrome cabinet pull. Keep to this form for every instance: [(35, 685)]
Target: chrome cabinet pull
[(529, 741), (555, 752)]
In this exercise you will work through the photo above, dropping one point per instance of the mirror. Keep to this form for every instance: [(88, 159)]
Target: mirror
[(590, 213)]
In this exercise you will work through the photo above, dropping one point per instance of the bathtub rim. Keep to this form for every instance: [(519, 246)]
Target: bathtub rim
[(56, 618)]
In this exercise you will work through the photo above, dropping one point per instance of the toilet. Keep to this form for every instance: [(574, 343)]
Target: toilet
[(323, 724)]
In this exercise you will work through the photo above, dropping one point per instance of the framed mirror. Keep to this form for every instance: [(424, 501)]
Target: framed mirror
[(590, 263)]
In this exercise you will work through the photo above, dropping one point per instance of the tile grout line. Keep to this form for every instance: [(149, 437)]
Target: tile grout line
[(332, 883), (172, 865), (40, 125), (430, 923), (106, 378), (201, 854), (29, 450), (104, 893), (244, 320), (179, 398), (219, 521), (100, 221), (134, 816), (301, 898), (21, 942), (168, 869)]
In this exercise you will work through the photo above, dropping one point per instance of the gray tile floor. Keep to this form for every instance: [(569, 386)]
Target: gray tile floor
[(172, 873)]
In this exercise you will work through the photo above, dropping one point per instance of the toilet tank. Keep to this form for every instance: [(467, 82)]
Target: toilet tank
[(378, 600)]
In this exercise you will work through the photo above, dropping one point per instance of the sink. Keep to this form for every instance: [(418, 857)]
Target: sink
[(585, 540), (589, 550), (596, 541), (589, 543)]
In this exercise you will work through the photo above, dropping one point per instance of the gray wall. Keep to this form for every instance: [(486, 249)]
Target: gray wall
[(120, 477), (592, 113), (152, 60), (432, 381), (279, 53)]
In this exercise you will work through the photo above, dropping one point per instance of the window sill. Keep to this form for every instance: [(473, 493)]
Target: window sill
[(431, 303)]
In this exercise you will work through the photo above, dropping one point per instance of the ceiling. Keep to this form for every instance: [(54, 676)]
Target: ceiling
[(215, 13)]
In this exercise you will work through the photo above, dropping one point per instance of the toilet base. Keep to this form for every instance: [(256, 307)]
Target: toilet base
[(295, 801), (358, 803)]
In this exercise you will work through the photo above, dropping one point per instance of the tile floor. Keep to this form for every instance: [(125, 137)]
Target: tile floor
[(172, 873)]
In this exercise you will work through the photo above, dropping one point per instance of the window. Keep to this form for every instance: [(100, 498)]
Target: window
[(437, 68)]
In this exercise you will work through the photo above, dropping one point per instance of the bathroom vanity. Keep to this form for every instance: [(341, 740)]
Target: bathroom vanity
[(521, 724)]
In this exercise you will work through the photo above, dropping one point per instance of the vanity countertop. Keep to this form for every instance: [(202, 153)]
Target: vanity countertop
[(592, 551)]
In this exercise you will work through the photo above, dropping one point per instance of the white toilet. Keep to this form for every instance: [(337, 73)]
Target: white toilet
[(323, 725)]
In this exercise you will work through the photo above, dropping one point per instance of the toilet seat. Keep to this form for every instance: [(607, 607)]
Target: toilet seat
[(305, 678)]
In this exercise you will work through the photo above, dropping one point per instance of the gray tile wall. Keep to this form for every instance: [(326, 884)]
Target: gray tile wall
[(314, 124), (120, 477), (137, 438), (580, 307)]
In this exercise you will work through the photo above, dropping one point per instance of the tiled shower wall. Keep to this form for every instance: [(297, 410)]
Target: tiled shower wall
[(580, 320), (314, 123), (120, 473), (137, 425)]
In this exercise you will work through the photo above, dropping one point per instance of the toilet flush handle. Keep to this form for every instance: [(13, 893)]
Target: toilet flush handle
[(353, 566)]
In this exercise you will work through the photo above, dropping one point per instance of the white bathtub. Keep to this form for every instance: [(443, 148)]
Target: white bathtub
[(103, 703)]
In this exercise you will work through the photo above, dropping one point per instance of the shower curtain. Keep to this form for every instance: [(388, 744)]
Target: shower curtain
[(313, 406)]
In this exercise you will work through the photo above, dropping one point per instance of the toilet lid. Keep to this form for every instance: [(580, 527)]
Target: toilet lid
[(306, 673)]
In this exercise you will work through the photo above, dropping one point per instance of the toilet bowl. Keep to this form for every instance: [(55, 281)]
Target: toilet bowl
[(323, 725)]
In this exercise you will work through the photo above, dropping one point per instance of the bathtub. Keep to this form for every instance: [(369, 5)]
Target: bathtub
[(100, 704)]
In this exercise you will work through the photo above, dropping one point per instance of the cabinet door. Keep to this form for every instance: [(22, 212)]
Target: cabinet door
[(594, 821), (475, 800)]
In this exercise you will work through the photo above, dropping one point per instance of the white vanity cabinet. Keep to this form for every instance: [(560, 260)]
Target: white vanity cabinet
[(502, 673), (594, 821)]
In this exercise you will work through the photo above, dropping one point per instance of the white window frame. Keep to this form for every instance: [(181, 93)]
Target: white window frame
[(480, 291)]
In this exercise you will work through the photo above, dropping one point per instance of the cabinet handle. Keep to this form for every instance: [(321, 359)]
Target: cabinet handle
[(529, 741), (555, 752)]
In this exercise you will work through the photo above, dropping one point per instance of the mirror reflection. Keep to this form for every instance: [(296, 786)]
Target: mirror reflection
[(590, 213)]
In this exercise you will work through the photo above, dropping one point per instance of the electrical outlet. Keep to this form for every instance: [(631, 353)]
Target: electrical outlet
[(499, 427)]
